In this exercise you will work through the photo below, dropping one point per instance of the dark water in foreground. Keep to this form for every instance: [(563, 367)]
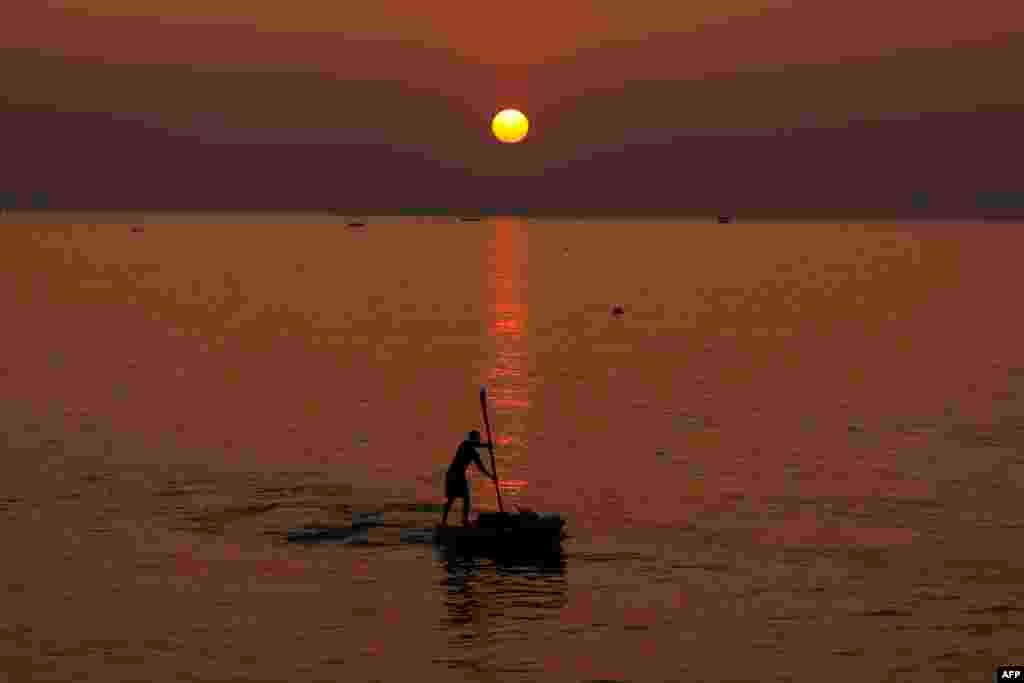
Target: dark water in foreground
[(797, 453)]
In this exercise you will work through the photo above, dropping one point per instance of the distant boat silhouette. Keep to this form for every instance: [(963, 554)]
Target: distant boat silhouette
[(725, 219), (470, 219), (1003, 219), (351, 222)]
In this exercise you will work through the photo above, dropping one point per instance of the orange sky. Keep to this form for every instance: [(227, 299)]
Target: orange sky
[(423, 79)]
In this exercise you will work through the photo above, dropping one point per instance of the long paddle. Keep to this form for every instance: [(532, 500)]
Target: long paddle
[(490, 445)]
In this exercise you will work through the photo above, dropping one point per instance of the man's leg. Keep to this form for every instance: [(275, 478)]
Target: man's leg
[(465, 509), (447, 507)]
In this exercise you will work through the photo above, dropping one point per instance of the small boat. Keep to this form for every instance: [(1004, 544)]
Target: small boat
[(725, 219), (355, 223), (470, 219), (505, 533)]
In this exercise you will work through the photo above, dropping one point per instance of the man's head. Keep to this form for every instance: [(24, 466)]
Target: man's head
[(474, 436)]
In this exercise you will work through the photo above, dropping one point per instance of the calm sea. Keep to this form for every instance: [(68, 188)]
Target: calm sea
[(796, 454)]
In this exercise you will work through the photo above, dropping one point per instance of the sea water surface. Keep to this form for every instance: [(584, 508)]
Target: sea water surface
[(796, 453)]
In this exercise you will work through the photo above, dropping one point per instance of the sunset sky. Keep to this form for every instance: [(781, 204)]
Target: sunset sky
[(384, 106)]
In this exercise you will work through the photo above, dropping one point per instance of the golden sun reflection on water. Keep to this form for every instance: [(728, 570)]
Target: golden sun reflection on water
[(508, 376)]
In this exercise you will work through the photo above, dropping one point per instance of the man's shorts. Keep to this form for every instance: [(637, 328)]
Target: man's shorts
[(456, 485)]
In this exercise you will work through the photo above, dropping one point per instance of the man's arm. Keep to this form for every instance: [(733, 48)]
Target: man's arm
[(483, 469)]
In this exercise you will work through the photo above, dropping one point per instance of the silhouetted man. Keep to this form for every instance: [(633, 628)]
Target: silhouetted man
[(456, 485)]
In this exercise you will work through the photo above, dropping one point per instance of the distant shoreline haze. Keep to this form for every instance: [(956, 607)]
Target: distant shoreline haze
[(119, 214), (936, 166), (986, 205)]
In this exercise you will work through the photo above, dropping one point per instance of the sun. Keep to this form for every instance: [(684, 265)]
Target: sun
[(510, 125)]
